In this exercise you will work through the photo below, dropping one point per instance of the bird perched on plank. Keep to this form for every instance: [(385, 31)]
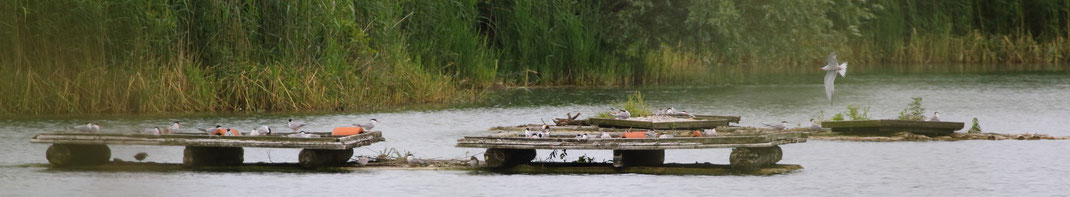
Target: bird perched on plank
[(295, 125), (709, 132), (368, 126), (141, 156), (174, 128), (831, 68), (362, 160), (528, 133), (605, 135), (263, 130), (936, 117), (410, 159), (154, 130), (473, 161), (622, 114), (545, 131), (88, 127), (783, 125), (814, 126)]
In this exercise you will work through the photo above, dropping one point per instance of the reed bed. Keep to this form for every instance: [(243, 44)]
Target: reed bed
[(160, 56)]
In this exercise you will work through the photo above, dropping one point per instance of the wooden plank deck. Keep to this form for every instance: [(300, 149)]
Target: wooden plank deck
[(888, 127), (733, 119), (202, 140), (509, 142), (693, 124)]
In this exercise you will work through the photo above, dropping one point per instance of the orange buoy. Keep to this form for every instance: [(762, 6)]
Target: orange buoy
[(634, 135), (696, 133), (219, 131), (343, 131)]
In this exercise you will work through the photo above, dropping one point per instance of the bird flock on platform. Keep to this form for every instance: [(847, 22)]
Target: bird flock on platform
[(176, 127)]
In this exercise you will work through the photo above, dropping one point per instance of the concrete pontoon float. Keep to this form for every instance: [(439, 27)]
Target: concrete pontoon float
[(72, 149), (887, 127), (509, 149)]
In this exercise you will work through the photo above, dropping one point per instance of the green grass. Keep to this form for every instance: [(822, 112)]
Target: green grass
[(159, 56), (635, 105)]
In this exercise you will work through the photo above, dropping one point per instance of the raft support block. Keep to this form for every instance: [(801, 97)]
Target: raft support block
[(498, 157), (622, 158), (77, 154), (749, 158), (312, 158), (212, 156)]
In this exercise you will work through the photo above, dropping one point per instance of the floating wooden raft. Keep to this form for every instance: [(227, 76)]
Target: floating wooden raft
[(512, 141), (748, 151), (327, 142), (689, 124), (889, 127), (74, 149)]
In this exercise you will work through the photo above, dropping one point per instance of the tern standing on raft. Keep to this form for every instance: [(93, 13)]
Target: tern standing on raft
[(831, 68), (295, 125), (89, 127), (367, 126)]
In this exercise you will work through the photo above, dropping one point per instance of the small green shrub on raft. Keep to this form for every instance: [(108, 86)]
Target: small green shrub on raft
[(976, 128), (854, 112), (914, 111), (635, 105)]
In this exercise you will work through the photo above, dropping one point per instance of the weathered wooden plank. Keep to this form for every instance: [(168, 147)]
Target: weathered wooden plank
[(893, 123), (888, 127), (333, 143), (326, 138), (691, 124), (633, 144), (734, 119)]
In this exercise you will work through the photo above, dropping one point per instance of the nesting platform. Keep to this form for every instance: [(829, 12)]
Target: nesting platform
[(888, 127), (688, 124), (748, 151), (732, 119), (72, 149)]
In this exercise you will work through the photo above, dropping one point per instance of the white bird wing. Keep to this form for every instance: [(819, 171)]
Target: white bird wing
[(830, 84), (368, 125), (831, 60)]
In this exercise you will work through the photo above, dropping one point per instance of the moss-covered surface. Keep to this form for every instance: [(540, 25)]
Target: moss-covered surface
[(907, 136)]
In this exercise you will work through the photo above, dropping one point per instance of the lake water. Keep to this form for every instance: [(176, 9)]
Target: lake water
[(1009, 103)]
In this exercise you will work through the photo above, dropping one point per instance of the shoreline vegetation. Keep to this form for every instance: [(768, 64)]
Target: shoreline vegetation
[(157, 56)]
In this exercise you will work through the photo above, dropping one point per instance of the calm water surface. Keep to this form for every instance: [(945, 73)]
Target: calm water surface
[(1004, 103)]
